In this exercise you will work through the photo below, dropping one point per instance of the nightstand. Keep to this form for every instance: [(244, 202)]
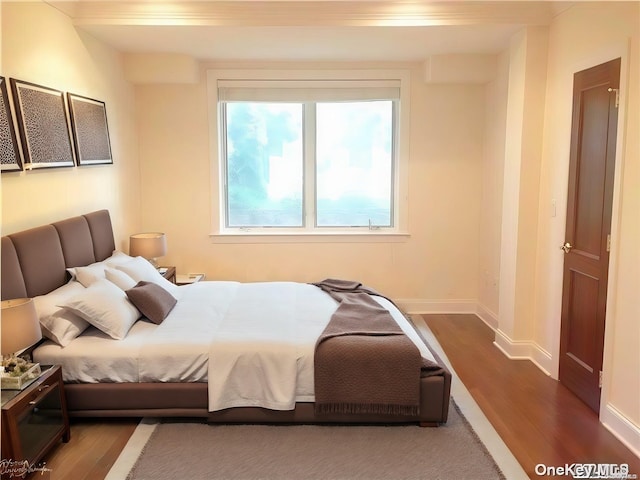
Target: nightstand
[(169, 273), (189, 279), (34, 419)]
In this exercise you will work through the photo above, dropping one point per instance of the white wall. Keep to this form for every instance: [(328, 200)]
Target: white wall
[(40, 45), (496, 96), (437, 264), (584, 36)]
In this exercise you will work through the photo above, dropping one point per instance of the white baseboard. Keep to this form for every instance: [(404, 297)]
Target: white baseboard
[(524, 350), (418, 306), (621, 427), (487, 316)]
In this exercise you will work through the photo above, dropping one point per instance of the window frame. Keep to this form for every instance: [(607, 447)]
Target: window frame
[(309, 231)]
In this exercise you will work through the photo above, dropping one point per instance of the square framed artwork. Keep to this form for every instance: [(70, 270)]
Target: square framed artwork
[(10, 160), (90, 130), (42, 120)]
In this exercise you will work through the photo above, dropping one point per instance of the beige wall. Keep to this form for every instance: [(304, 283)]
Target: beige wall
[(40, 45), (437, 263), (496, 96), (584, 36), (458, 140)]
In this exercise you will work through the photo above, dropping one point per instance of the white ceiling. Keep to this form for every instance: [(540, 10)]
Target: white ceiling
[(312, 30)]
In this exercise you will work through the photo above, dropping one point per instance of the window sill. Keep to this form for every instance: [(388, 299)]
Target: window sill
[(310, 237)]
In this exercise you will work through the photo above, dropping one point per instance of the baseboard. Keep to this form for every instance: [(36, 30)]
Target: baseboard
[(621, 427), (524, 350), (419, 306), (487, 316)]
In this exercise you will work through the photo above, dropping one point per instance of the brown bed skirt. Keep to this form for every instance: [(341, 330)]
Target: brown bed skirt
[(191, 400)]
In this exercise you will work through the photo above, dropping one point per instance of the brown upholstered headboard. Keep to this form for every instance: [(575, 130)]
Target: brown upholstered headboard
[(34, 261)]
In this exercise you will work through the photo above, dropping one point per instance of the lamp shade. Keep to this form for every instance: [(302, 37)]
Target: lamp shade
[(148, 245), (19, 324)]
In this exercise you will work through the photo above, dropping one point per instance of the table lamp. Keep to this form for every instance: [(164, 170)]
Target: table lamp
[(148, 245), (20, 327)]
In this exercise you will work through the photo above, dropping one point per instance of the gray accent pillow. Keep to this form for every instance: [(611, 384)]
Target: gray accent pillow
[(153, 301)]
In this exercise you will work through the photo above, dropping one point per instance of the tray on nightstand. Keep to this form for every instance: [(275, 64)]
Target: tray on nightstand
[(10, 382)]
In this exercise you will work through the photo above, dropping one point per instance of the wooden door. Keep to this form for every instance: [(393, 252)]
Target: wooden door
[(589, 203)]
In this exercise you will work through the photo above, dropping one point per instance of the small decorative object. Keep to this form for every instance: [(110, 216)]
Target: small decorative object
[(148, 245), (20, 329), (42, 120), (9, 153), (90, 130), (17, 373)]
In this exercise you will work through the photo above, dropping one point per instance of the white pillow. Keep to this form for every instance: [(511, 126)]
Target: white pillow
[(118, 258), (119, 279), (142, 271), (106, 307), (90, 274), (58, 324)]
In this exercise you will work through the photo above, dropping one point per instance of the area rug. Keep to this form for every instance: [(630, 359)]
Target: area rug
[(465, 447), (197, 450)]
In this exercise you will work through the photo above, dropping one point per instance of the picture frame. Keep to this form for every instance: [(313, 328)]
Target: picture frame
[(10, 159), (42, 121), (90, 130)]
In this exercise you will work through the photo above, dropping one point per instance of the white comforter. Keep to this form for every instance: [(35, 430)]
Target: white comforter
[(253, 343)]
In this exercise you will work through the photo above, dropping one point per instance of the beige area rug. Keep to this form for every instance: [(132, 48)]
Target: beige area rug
[(463, 448), (196, 450)]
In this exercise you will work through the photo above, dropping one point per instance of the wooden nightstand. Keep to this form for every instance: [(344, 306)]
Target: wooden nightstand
[(169, 273), (34, 419)]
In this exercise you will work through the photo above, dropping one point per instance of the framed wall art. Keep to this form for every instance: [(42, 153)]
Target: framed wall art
[(42, 120), (10, 160), (90, 130)]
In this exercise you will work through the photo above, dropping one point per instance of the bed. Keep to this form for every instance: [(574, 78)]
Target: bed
[(188, 365)]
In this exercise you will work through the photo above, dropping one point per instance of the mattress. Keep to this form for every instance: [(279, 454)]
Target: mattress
[(252, 342)]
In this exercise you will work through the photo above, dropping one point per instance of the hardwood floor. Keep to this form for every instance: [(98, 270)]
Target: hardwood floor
[(94, 447), (539, 419)]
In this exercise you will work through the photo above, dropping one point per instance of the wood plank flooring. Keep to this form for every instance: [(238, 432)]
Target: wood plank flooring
[(539, 419)]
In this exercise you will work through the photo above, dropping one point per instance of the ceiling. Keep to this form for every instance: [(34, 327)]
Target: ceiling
[(308, 30)]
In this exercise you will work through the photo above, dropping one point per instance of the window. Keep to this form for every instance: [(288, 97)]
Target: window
[(308, 156)]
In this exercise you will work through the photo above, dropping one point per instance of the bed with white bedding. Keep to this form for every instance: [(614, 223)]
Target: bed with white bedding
[(228, 351)]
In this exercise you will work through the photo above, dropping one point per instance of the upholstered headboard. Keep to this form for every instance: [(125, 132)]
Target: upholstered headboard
[(34, 261)]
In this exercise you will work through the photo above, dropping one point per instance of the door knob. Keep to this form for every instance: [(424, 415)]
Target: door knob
[(566, 247)]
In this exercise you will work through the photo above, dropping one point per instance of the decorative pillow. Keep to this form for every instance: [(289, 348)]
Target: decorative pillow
[(142, 271), (120, 279), (88, 275), (58, 324), (106, 307), (152, 300)]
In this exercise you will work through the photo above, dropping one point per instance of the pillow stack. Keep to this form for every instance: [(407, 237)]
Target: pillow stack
[(110, 295)]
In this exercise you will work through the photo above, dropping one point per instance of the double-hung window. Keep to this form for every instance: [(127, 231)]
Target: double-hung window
[(308, 155)]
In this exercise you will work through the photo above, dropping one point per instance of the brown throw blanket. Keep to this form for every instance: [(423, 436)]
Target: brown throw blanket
[(364, 363)]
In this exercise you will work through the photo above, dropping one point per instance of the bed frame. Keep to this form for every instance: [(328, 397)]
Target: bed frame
[(34, 262)]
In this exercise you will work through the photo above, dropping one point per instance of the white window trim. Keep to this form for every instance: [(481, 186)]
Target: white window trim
[(221, 234)]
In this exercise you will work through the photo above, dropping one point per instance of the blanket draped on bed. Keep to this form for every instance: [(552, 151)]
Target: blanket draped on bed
[(364, 363)]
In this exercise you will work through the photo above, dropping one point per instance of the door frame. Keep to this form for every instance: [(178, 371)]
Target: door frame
[(615, 51)]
